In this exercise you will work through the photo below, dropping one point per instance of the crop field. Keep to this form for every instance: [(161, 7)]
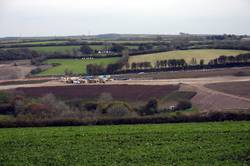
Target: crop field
[(235, 88), (206, 54), (120, 92), (222, 143), (77, 66)]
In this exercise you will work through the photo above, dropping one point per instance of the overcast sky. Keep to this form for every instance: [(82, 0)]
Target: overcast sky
[(78, 17)]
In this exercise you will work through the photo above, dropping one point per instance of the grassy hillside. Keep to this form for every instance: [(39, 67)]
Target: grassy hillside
[(224, 143), (77, 66), (206, 54)]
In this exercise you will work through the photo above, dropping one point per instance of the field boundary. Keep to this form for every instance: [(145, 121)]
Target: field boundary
[(182, 118)]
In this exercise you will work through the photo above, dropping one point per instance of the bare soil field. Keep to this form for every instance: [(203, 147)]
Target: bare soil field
[(15, 69), (235, 88), (211, 100), (123, 92), (23, 82)]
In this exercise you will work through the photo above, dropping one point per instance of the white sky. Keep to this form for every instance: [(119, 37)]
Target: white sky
[(77, 17)]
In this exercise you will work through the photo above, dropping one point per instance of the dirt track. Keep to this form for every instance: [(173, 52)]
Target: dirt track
[(189, 81)]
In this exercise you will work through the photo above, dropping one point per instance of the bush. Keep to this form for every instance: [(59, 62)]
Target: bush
[(47, 107), (4, 97), (36, 71), (56, 107), (36, 111), (119, 109), (85, 49), (183, 105), (90, 106), (6, 109), (150, 108)]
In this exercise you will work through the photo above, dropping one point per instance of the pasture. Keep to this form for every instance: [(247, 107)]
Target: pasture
[(206, 54), (77, 66), (51, 49), (69, 49), (217, 143), (45, 42)]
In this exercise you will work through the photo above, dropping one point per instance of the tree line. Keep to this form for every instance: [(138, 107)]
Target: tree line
[(242, 58), (180, 64)]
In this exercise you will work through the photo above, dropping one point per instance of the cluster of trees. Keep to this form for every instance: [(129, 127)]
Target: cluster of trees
[(141, 65), (117, 48), (17, 54), (222, 60), (145, 46), (95, 69), (170, 63), (85, 49)]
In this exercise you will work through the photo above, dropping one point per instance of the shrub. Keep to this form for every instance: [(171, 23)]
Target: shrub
[(90, 106), (36, 71), (119, 109), (4, 97), (85, 49), (56, 107), (150, 108), (6, 109), (37, 111), (183, 105)]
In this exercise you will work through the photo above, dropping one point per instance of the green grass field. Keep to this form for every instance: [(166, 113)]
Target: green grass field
[(77, 66), (51, 49), (224, 143), (45, 42), (206, 54), (69, 49)]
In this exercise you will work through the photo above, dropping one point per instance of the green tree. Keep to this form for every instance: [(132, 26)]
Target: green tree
[(85, 49), (117, 48), (201, 62)]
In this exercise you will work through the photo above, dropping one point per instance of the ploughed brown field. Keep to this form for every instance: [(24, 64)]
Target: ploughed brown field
[(236, 88), (125, 92)]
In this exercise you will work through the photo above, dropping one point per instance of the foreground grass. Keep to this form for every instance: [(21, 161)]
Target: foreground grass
[(224, 143), (77, 66), (206, 54)]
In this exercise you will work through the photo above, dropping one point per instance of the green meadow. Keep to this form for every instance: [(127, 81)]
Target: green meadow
[(77, 66)]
